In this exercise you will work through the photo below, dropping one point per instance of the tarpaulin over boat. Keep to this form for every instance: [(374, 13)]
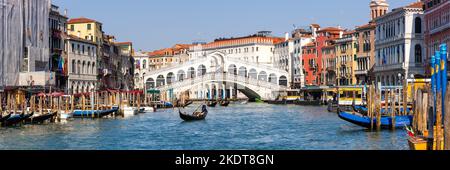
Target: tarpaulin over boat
[(24, 38)]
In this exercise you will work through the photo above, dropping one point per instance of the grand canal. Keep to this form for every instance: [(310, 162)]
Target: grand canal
[(251, 126)]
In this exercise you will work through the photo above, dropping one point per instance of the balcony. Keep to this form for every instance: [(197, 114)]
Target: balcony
[(361, 72)]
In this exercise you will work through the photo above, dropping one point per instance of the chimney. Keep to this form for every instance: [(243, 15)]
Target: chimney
[(65, 12), (286, 36)]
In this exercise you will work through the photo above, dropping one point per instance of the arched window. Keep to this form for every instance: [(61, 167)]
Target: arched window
[(93, 68), (418, 53), (144, 64), (79, 67), (283, 81), (74, 66), (418, 25), (88, 69), (83, 68)]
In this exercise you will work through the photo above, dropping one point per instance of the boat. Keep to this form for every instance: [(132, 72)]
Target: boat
[(16, 118), (423, 142), (386, 122), (196, 115), (361, 109), (129, 111), (212, 104), (224, 103), (149, 109), (308, 103), (41, 118), (3, 118), (93, 113), (278, 102)]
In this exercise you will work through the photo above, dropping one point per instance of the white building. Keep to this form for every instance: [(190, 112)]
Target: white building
[(82, 65), (141, 61), (288, 56), (258, 48), (399, 45)]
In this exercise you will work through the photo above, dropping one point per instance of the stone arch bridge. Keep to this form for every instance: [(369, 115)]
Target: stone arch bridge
[(217, 76)]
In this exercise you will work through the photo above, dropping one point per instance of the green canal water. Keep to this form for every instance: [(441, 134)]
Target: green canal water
[(248, 127)]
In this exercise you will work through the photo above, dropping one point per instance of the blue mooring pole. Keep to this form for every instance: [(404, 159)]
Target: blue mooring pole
[(444, 75), (437, 67)]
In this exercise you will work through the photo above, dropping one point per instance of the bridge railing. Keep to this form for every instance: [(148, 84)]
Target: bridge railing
[(223, 77)]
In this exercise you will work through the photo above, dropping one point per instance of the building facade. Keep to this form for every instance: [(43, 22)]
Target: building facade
[(346, 55), (329, 63), (437, 26), (365, 57), (82, 65), (399, 45), (58, 53)]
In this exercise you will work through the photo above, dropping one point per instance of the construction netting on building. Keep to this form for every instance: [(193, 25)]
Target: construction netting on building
[(24, 38)]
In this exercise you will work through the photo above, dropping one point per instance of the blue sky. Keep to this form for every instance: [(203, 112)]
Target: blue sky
[(155, 24)]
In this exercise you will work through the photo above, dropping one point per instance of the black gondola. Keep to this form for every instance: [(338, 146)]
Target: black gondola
[(195, 116), (41, 118), (4, 118), (13, 120), (224, 103), (212, 104)]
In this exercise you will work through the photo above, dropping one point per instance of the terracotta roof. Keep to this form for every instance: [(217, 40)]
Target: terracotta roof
[(123, 43), (366, 26), (415, 5), (315, 25), (73, 37), (349, 32), (81, 20), (242, 40), (330, 29)]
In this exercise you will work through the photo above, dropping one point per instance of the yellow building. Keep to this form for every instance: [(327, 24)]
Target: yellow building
[(87, 29), (346, 52)]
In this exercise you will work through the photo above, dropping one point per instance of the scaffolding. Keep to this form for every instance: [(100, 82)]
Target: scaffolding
[(24, 38)]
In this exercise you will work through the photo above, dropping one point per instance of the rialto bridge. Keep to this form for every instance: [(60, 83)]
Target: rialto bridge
[(218, 76)]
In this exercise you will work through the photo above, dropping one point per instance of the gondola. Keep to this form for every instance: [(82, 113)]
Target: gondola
[(308, 103), (93, 113), (224, 103), (195, 116), (3, 118), (41, 118), (386, 121), (188, 103), (212, 104), (17, 118)]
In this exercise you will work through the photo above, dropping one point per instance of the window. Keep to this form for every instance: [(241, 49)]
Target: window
[(418, 25), (73, 48), (418, 53), (89, 26), (72, 27)]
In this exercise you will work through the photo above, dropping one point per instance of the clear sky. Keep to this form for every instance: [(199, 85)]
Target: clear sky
[(154, 24)]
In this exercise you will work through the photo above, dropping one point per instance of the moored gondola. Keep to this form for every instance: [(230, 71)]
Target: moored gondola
[(16, 119), (196, 115), (212, 104), (93, 113), (224, 103), (3, 118), (41, 118)]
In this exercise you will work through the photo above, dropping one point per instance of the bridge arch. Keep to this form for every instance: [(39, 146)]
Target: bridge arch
[(191, 73), (181, 75), (160, 81), (283, 81), (150, 83), (242, 71), (232, 69), (273, 78), (253, 74), (201, 70), (262, 76), (170, 78)]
